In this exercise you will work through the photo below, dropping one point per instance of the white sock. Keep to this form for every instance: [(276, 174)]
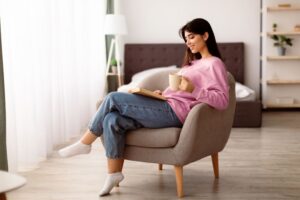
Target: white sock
[(75, 149), (111, 180)]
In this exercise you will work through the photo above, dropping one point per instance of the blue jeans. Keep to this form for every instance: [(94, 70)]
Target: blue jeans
[(121, 112)]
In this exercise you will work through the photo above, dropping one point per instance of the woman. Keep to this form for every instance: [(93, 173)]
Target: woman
[(204, 80)]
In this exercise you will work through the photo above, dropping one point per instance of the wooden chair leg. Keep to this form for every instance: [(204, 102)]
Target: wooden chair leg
[(215, 162), (160, 166), (2, 196), (179, 180)]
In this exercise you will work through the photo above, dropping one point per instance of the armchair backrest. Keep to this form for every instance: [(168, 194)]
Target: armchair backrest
[(158, 80), (230, 111)]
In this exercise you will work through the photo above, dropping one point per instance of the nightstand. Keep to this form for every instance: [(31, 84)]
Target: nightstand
[(113, 82)]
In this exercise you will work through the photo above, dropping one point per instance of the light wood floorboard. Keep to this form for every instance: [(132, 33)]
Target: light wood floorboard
[(257, 163)]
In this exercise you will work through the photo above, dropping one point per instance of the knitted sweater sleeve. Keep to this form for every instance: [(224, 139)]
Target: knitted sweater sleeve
[(215, 91)]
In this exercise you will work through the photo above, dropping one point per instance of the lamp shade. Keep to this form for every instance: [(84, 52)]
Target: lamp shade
[(115, 24)]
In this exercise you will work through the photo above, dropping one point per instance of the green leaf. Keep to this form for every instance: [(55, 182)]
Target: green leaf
[(281, 40), (113, 62)]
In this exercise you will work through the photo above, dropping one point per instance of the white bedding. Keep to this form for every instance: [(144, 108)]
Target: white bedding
[(140, 79), (244, 93)]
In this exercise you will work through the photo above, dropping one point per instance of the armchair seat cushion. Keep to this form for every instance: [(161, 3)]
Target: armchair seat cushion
[(153, 138)]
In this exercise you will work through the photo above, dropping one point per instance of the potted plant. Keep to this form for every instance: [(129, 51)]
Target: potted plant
[(274, 26), (113, 65), (281, 41)]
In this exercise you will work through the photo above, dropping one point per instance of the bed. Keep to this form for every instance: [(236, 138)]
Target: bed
[(141, 57)]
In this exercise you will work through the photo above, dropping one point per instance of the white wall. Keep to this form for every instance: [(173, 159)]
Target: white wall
[(158, 21)]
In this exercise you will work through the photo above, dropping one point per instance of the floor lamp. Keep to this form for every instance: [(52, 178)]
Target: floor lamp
[(115, 24)]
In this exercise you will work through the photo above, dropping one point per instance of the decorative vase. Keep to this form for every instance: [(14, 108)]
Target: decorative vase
[(281, 51)]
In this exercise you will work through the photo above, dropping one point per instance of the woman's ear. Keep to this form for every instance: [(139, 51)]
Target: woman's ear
[(205, 36)]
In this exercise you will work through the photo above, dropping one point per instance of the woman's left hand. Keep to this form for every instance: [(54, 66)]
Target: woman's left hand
[(158, 92), (186, 85)]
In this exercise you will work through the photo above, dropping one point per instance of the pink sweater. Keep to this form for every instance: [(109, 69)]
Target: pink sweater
[(209, 77)]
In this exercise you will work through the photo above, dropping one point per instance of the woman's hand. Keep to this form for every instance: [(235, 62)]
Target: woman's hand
[(186, 85), (158, 92)]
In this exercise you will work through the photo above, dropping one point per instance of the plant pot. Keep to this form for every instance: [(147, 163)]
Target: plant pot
[(281, 51), (114, 69)]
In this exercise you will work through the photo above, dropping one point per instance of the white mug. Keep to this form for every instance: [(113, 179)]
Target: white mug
[(174, 81)]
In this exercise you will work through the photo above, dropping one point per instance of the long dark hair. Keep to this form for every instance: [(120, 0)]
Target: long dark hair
[(199, 26)]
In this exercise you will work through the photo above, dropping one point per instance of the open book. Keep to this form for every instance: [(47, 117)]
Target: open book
[(147, 93)]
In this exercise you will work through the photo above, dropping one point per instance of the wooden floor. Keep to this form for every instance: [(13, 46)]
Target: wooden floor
[(261, 163)]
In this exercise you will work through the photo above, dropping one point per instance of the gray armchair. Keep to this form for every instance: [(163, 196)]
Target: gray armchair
[(204, 133)]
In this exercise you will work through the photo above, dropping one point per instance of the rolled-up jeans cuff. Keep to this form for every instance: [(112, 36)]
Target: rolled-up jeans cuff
[(94, 131), (114, 156)]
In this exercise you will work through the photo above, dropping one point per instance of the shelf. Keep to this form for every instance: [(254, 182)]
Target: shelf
[(283, 33), (283, 57), (275, 105), (111, 74), (270, 9), (283, 82)]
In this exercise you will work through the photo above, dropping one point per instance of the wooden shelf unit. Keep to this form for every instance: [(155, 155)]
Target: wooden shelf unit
[(283, 57), (271, 9), (283, 82), (273, 87)]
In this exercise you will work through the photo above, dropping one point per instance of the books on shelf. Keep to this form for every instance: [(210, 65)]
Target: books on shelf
[(284, 5)]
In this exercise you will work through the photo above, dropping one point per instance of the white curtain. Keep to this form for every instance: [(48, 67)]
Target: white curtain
[(54, 72)]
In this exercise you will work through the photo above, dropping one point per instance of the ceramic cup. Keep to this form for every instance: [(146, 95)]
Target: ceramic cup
[(174, 81)]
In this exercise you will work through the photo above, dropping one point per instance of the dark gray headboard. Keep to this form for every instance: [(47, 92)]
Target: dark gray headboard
[(139, 57)]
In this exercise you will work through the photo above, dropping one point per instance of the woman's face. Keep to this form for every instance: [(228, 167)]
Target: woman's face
[(195, 42)]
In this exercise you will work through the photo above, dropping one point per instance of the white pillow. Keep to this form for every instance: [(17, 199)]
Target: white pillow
[(244, 93), (150, 78), (141, 75)]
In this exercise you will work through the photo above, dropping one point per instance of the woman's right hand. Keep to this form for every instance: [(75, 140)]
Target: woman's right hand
[(186, 85)]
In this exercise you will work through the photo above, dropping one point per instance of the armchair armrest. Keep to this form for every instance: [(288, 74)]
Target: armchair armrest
[(201, 136)]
